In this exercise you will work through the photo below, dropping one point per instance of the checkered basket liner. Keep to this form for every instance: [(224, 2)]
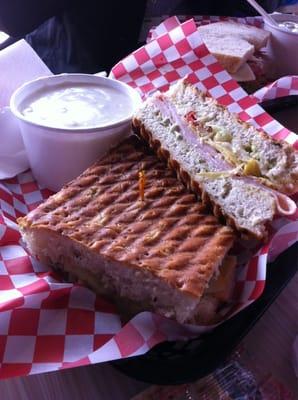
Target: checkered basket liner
[(47, 324)]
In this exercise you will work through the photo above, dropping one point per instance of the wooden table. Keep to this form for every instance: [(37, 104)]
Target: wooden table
[(269, 344)]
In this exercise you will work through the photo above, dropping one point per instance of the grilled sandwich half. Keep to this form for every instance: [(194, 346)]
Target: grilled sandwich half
[(243, 173), (147, 244)]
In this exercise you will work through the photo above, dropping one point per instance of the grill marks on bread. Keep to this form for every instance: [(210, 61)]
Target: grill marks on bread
[(168, 233)]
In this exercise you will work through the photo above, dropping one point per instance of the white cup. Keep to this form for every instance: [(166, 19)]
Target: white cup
[(282, 47), (58, 155)]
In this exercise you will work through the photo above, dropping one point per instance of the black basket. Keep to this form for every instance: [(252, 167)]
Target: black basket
[(172, 363)]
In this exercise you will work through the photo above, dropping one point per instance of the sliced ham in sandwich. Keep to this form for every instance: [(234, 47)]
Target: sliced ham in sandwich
[(243, 173)]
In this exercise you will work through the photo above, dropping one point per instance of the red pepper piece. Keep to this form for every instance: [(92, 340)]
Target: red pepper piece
[(190, 116)]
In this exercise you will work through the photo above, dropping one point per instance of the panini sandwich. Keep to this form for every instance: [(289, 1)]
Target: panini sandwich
[(156, 250), (243, 173)]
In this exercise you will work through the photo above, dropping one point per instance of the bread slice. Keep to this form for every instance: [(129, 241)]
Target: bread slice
[(165, 122), (230, 53), (233, 43), (255, 36), (158, 254)]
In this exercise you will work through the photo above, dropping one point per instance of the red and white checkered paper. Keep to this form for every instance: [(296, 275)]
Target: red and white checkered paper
[(285, 86), (47, 324)]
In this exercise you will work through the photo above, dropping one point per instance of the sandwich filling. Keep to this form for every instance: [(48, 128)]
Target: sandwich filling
[(238, 142), (215, 164), (195, 146)]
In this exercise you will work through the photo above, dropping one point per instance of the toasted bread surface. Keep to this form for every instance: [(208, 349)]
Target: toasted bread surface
[(168, 237)]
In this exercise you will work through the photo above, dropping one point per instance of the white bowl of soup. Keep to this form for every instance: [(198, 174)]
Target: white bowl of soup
[(283, 45), (68, 121)]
